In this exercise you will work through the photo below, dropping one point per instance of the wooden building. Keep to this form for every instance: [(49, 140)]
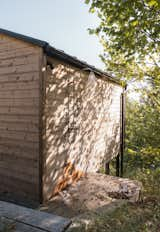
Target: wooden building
[(59, 118)]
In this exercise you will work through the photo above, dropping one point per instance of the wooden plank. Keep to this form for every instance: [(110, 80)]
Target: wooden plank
[(6, 40), (18, 61), (18, 226), (27, 110), (18, 69), (10, 46), (11, 126), (19, 144), (19, 94), (15, 162), (29, 178), (19, 85), (19, 102), (18, 53), (19, 110), (18, 118), (22, 181), (9, 39), (22, 77), (21, 136), (10, 152), (18, 187)]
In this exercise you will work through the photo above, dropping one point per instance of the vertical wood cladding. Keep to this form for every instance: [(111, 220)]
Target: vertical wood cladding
[(82, 114), (20, 65)]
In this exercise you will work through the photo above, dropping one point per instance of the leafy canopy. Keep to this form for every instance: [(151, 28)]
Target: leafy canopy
[(129, 32)]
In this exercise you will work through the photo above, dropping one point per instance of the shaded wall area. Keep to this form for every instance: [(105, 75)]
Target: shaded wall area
[(82, 121), (19, 119)]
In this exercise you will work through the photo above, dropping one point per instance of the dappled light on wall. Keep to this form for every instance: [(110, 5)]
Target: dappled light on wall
[(82, 117)]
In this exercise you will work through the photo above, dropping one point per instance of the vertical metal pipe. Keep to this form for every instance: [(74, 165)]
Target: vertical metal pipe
[(107, 169), (117, 165), (122, 132)]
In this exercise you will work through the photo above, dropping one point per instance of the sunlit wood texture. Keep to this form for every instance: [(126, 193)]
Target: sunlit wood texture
[(55, 124), (82, 115)]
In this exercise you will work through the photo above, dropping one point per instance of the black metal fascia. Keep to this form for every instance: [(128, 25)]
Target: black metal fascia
[(28, 39), (51, 51)]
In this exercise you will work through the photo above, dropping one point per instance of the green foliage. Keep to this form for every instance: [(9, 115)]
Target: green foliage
[(128, 27), (142, 126), (142, 155), (141, 162), (130, 35), (141, 217), (129, 32), (142, 135), (130, 218)]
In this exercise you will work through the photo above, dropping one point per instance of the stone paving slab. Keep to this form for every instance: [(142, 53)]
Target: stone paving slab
[(34, 219), (14, 226)]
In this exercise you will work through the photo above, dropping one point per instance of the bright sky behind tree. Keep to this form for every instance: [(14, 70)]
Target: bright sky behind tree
[(62, 23)]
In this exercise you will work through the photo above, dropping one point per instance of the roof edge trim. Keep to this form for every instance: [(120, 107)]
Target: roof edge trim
[(53, 52)]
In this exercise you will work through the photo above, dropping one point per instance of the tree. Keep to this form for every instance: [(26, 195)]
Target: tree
[(130, 34)]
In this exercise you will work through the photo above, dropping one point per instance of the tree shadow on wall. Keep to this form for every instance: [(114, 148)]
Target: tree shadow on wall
[(80, 129)]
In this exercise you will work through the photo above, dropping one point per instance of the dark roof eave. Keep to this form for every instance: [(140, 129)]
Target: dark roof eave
[(53, 52), (25, 38)]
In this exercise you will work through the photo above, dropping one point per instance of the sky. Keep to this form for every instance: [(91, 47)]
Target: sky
[(62, 23)]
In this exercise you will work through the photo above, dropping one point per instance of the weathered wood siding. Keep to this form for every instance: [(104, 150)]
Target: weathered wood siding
[(19, 118), (82, 116)]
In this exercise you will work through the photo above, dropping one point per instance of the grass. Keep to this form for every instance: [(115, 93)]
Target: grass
[(137, 217), (143, 216), (130, 218)]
